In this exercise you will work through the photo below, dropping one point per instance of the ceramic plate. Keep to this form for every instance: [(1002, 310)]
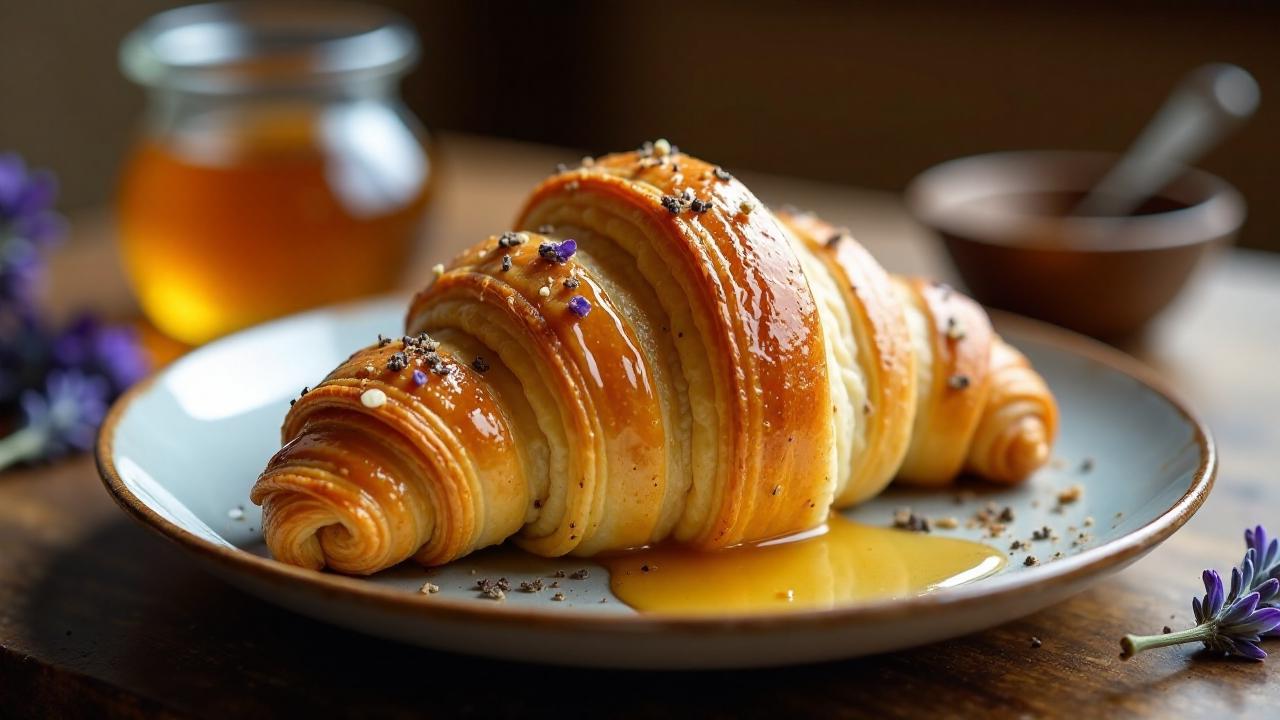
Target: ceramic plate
[(180, 452)]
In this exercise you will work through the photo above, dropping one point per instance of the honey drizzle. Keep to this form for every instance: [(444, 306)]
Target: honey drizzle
[(840, 563)]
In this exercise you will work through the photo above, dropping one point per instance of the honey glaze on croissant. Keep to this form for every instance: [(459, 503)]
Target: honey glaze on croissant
[(652, 356)]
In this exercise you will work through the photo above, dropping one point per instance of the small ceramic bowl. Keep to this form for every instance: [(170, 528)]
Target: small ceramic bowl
[(1005, 221)]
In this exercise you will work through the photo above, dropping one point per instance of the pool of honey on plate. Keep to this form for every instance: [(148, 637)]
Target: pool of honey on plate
[(248, 218), (841, 563)]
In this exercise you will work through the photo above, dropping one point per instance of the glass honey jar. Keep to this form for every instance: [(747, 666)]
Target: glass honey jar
[(277, 168)]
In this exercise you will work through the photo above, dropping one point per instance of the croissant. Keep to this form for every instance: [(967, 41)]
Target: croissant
[(652, 356)]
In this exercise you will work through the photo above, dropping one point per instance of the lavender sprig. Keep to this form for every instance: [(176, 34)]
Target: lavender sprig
[(1234, 621), (56, 383), (62, 419)]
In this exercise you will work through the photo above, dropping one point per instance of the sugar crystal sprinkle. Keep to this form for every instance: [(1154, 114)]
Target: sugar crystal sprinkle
[(429, 589), (437, 269), (373, 398), (419, 378)]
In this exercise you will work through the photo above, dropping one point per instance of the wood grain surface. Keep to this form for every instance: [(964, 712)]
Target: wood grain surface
[(98, 617)]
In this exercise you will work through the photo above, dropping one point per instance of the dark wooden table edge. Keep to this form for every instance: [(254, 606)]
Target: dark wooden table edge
[(30, 688)]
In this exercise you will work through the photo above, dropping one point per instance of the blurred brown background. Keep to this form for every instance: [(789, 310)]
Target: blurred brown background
[(861, 93)]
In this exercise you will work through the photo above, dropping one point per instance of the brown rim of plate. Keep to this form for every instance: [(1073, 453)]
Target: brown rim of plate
[(1113, 554)]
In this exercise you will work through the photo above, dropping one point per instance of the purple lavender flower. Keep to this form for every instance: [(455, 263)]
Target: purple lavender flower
[(1263, 554), (26, 202), (579, 306), (110, 351), (61, 419), (61, 382), (27, 224), (558, 252), (1230, 622)]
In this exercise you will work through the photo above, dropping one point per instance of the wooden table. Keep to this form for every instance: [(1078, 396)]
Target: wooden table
[(97, 614)]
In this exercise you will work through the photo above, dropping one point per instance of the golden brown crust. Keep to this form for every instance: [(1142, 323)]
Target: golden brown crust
[(592, 366), (755, 319), (959, 336), (884, 349), (446, 444), (1019, 420)]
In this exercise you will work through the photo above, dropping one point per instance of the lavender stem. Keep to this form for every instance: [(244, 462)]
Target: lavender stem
[(25, 444), (1134, 644)]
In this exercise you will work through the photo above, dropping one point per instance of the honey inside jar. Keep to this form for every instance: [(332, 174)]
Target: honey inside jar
[(277, 168), (221, 230)]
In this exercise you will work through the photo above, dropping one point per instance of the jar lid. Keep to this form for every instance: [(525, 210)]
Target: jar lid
[(237, 46)]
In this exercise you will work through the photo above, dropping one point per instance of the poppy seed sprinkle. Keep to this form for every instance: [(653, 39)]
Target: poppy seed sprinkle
[(510, 239)]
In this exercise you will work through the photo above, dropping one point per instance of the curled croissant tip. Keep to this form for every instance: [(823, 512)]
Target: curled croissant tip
[(1028, 450)]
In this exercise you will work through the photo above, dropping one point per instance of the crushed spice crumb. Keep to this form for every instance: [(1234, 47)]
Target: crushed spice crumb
[(1071, 494), (904, 519)]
